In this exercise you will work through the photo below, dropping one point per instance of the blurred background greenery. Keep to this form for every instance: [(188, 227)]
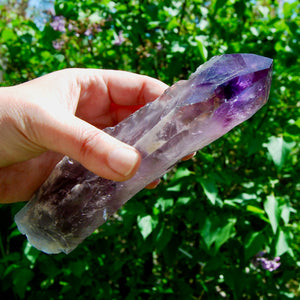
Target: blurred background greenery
[(224, 225)]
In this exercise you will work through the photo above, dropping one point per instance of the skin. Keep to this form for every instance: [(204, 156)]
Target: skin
[(62, 113)]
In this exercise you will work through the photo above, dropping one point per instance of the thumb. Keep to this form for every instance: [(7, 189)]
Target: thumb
[(94, 149)]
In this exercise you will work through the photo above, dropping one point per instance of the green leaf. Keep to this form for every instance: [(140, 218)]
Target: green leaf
[(208, 233), (254, 243), (285, 213), (224, 233), (289, 9), (12, 267), (255, 209), (174, 188), (164, 204), (21, 278), (242, 199), (59, 57), (46, 55), (272, 209), (282, 245), (279, 150), (146, 225), (214, 232), (210, 189), (8, 35), (202, 49), (176, 47), (183, 200), (181, 173)]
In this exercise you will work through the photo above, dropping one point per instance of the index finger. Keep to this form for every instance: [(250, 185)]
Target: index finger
[(118, 87), (125, 88)]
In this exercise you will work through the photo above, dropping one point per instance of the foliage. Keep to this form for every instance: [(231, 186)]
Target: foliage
[(198, 235)]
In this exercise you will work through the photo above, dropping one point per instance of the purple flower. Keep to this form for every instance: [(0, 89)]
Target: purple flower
[(88, 32), (270, 265), (119, 39), (58, 44), (159, 46), (59, 23), (267, 264), (71, 27)]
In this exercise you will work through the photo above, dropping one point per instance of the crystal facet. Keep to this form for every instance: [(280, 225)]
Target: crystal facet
[(73, 202)]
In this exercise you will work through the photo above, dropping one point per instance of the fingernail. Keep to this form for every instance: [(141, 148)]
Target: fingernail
[(123, 160)]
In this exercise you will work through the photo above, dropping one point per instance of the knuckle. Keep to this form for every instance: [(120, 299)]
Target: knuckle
[(87, 144)]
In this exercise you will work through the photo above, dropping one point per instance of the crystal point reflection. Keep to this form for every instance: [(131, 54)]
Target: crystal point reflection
[(191, 114)]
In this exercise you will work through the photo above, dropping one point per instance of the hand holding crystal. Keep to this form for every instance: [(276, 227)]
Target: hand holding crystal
[(191, 114), (61, 114)]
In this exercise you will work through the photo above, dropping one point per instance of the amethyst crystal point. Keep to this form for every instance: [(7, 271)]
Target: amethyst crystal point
[(73, 202)]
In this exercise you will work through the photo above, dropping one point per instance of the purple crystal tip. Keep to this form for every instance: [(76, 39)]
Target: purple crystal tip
[(243, 84)]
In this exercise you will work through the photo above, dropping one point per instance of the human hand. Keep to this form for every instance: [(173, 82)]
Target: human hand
[(61, 114)]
